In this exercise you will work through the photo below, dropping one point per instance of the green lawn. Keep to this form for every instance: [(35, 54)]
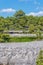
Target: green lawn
[(22, 39)]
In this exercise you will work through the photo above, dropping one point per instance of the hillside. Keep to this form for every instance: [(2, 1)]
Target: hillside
[(21, 24)]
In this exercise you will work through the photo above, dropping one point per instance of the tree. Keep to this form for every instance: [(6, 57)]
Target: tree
[(31, 28), (38, 29), (19, 13)]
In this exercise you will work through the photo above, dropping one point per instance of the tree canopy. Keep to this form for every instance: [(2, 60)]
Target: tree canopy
[(20, 21)]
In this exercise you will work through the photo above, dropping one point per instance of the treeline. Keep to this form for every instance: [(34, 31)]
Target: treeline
[(20, 21)]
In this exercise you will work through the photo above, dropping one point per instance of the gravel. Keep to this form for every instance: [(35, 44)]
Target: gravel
[(22, 53)]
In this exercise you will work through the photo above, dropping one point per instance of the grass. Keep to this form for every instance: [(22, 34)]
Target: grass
[(22, 39), (6, 38)]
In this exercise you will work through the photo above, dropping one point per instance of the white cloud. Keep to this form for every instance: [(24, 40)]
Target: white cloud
[(36, 14), (7, 10), (39, 8)]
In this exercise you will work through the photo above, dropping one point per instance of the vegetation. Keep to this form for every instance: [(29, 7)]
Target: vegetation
[(7, 38), (20, 21), (22, 39), (4, 38), (40, 58)]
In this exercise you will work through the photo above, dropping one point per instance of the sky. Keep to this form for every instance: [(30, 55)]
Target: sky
[(30, 7)]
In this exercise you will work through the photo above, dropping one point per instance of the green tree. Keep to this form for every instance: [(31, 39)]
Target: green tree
[(19, 13)]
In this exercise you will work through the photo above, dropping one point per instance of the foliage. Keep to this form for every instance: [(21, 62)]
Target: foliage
[(22, 39), (7, 38), (40, 58), (20, 21), (4, 38)]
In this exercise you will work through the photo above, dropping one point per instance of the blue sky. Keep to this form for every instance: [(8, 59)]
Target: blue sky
[(30, 7)]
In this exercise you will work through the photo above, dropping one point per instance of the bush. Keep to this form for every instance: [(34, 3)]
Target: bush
[(39, 60), (5, 37)]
